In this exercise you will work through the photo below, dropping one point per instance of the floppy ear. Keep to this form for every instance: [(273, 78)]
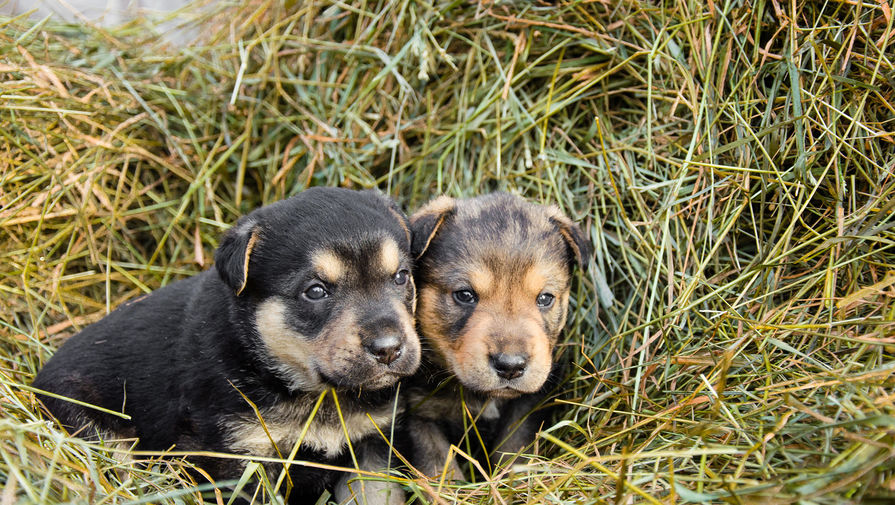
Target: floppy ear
[(424, 223), (579, 247), (231, 259)]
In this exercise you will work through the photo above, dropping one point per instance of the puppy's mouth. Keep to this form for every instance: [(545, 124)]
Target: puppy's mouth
[(385, 379), (373, 382), (504, 392)]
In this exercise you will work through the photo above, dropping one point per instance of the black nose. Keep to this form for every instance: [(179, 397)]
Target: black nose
[(508, 366), (386, 348)]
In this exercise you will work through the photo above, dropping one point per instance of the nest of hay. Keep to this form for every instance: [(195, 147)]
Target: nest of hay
[(733, 165)]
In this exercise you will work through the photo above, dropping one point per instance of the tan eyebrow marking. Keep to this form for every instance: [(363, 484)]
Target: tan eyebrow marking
[(481, 280), (328, 265), (533, 280), (389, 256)]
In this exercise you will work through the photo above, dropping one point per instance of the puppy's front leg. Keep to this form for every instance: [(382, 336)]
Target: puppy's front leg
[(431, 449), (520, 423), (355, 489)]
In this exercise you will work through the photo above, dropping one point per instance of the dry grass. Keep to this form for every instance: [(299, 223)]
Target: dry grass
[(733, 164)]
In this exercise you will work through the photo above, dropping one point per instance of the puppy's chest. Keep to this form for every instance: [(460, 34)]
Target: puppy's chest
[(284, 424), (450, 409)]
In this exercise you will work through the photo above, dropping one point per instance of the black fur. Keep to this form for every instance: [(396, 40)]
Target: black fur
[(174, 359)]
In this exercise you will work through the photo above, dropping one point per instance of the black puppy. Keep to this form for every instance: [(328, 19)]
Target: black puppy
[(309, 293), (494, 275)]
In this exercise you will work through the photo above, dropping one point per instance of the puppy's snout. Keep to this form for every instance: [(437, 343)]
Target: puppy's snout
[(508, 366), (385, 348)]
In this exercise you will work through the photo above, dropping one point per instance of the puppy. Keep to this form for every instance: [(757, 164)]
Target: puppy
[(493, 275), (307, 294)]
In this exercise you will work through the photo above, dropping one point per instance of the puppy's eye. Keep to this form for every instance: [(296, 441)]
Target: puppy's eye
[(545, 300), (316, 292), (401, 277), (465, 297)]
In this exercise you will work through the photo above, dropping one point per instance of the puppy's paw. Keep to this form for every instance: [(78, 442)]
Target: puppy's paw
[(453, 471), (518, 463), (435, 470), (369, 492)]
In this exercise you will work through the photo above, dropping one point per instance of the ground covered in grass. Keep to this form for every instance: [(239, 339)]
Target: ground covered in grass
[(732, 163)]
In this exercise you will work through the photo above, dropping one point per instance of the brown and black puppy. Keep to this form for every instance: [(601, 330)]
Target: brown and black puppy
[(493, 274), (309, 295)]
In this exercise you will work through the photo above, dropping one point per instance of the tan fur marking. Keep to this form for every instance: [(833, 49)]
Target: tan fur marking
[(389, 256), (429, 318), (432, 235), (533, 281), (430, 321), (428, 296), (328, 265), (286, 422), (415, 295), (438, 205), (472, 346), (245, 261), (287, 346), (546, 277), (481, 280)]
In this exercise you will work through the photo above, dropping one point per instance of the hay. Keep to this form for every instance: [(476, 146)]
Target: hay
[(732, 164)]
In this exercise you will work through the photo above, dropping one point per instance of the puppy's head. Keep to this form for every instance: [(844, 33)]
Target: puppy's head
[(323, 279), (493, 274)]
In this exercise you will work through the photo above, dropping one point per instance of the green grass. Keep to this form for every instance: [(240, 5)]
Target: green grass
[(732, 162)]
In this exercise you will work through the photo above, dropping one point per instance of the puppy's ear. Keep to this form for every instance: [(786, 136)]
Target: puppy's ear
[(577, 244), (424, 223), (232, 256)]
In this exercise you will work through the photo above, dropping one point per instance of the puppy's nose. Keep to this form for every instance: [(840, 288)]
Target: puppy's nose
[(385, 348), (508, 366)]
